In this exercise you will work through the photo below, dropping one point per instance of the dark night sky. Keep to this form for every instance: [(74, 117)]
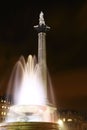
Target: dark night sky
[(66, 45)]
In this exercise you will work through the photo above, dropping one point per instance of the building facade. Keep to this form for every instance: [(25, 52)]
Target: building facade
[(4, 107), (72, 120)]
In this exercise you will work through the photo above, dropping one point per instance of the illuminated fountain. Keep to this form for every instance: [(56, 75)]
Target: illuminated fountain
[(33, 102)]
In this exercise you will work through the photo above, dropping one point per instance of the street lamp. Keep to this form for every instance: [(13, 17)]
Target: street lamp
[(60, 123)]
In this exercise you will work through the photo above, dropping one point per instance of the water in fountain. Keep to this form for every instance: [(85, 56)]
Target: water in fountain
[(29, 97)]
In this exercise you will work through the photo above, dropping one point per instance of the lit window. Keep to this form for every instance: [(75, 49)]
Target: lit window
[(64, 119), (2, 106), (69, 120), (4, 101), (1, 113), (1, 100), (4, 113)]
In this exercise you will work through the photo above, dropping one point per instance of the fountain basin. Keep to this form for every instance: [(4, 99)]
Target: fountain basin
[(31, 113), (29, 126), (28, 109)]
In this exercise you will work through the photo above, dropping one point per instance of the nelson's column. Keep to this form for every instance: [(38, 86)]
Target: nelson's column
[(42, 28)]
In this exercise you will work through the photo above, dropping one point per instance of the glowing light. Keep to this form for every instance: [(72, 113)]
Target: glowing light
[(69, 120), (64, 119), (2, 106), (60, 122), (1, 113), (4, 113)]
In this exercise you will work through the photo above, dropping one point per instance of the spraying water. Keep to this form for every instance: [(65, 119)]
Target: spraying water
[(31, 90), (29, 103)]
